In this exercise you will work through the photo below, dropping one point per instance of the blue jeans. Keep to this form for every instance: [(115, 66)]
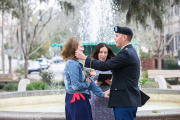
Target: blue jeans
[(125, 113)]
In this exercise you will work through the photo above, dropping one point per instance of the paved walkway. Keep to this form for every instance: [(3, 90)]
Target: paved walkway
[(176, 87)]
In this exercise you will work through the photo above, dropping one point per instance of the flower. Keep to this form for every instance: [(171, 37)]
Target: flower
[(89, 72)]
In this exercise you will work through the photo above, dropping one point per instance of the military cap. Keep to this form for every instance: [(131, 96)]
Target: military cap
[(123, 30)]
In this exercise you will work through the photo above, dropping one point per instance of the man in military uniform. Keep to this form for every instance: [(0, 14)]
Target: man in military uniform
[(125, 95)]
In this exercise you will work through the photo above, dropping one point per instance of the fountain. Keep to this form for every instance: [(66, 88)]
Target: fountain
[(45, 105), (97, 21), (96, 25)]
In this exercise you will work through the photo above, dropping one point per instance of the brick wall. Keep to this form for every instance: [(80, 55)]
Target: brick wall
[(148, 63)]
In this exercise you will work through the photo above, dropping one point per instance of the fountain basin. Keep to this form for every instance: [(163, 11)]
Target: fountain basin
[(47, 97)]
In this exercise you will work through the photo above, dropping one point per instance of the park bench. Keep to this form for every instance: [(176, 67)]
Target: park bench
[(164, 73), (8, 77), (160, 75)]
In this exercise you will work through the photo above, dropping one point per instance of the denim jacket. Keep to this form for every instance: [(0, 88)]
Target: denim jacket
[(75, 81)]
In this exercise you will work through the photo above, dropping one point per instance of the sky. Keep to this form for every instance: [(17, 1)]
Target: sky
[(43, 5)]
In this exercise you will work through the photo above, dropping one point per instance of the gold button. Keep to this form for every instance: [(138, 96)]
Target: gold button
[(115, 89)]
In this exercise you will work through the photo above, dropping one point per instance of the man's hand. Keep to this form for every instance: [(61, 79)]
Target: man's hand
[(109, 81), (88, 80), (98, 83), (107, 93), (80, 55)]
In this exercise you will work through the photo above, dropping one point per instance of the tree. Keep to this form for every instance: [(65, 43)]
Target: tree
[(154, 41), (43, 51), (11, 44), (66, 24), (158, 41), (140, 10), (29, 31), (5, 6), (32, 24)]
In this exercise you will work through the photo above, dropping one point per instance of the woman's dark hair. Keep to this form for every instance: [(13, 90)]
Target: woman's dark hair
[(97, 50)]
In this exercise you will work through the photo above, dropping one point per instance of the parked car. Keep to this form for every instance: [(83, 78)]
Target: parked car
[(57, 59), (33, 67), (43, 63), (49, 63)]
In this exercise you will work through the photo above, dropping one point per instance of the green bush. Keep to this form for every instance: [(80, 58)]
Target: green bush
[(172, 81), (143, 80), (57, 85), (11, 87), (145, 74), (37, 86), (62, 83), (20, 72), (150, 84), (46, 76), (168, 85), (171, 64), (2, 85)]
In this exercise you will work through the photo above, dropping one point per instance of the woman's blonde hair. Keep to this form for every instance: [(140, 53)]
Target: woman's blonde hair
[(68, 50)]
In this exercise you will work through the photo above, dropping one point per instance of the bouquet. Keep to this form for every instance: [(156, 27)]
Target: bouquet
[(89, 72)]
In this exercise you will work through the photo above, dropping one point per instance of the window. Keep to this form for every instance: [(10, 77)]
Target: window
[(171, 2), (176, 10), (172, 11), (40, 60), (172, 45), (177, 39), (167, 46), (178, 42)]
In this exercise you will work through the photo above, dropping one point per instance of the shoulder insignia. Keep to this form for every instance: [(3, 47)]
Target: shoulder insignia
[(126, 48)]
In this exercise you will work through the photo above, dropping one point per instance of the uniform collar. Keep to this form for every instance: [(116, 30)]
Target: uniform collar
[(125, 46)]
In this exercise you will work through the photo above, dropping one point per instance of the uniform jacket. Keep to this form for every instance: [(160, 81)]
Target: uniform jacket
[(124, 91)]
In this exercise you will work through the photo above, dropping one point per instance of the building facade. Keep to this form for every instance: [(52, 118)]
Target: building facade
[(172, 32)]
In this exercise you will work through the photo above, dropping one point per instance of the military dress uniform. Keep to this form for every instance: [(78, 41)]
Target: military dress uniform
[(124, 92)]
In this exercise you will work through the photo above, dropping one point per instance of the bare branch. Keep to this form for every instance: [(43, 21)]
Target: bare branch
[(40, 19), (33, 9), (170, 53), (35, 29), (169, 40), (46, 21), (38, 48)]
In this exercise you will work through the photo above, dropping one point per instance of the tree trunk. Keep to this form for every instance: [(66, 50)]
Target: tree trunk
[(159, 63), (9, 64), (2, 43), (26, 67)]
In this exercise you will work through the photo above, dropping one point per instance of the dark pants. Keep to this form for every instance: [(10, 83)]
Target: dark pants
[(125, 113), (78, 110)]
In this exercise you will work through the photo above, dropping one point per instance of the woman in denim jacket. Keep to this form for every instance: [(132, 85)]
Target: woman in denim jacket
[(76, 85)]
